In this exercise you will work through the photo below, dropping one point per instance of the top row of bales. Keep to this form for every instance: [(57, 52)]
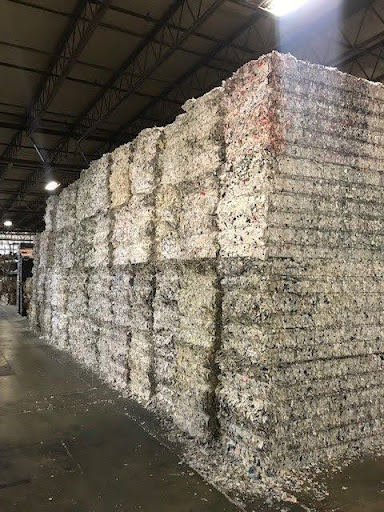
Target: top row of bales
[(205, 181), (149, 186)]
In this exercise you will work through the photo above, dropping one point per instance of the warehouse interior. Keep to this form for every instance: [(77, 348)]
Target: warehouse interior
[(191, 255), (87, 90)]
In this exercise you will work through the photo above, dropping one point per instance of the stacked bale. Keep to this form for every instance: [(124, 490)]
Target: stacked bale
[(188, 189), (34, 313), (195, 351), (93, 190), (90, 276), (113, 355), (133, 198), (245, 380), (8, 290), (58, 278), (293, 300), (330, 324), (228, 267), (244, 405), (165, 326), (73, 250), (185, 344), (186, 246), (47, 249), (45, 262), (134, 174), (77, 309), (66, 206), (66, 226), (120, 178), (141, 349), (100, 257), (58, 283), (51, 213)]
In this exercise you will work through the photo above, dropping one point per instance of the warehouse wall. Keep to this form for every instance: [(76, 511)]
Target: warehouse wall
[(228, 268)]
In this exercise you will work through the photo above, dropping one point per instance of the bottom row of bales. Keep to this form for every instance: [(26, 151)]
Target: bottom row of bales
[(148, 331)]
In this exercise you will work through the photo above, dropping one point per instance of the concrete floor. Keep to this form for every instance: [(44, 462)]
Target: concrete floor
[(66, 443), (70, 444)]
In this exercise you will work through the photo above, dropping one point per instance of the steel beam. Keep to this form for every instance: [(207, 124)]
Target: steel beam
[(144, 17), (160, 43), (193, 80), (83, 23), (199, 78), (73, 41), (37, 194), (9, 125), (33, 163), (367, 47), (95, 85)]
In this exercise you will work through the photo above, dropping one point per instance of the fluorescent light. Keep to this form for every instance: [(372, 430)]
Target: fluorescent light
[(282, 7), (52, 185), (7, 223)]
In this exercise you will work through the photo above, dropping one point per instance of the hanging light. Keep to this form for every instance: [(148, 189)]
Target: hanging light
[(282, 7), (52, 185), (7, 223)]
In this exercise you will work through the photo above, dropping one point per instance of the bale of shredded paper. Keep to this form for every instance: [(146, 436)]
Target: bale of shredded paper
[(93, 189), (113, 350), (120, 176), (228, 268), (99, 295), (51, 213), (132, 231), (66, 207)]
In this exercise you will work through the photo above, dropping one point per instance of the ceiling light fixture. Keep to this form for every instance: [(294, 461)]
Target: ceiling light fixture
[(282, 7), (7, 223), (52, 185)]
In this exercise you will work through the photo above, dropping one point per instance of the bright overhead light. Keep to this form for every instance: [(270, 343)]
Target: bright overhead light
[(7, 223), (52, 185), (282, 7)]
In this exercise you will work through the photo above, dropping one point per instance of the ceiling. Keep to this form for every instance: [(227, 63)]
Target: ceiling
[(80, 77)]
